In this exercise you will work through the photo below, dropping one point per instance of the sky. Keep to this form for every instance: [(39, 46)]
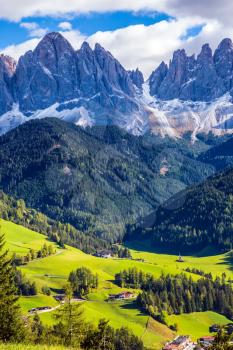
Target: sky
[(139, 33)]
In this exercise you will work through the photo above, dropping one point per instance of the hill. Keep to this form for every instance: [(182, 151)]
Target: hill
[(98, 179), (194, 219), (196, 323)]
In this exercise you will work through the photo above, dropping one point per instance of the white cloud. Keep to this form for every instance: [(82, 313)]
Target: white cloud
[(65, 26), (75, 38), (34, 30), (146, 46), (25, 8), (211, 9), (16, 51)]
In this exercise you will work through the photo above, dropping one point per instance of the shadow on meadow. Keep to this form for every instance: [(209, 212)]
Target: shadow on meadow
[(133, 305), (150, 247), (227, 260)]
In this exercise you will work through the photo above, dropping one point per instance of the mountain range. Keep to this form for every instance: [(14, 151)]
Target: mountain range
[(90, 87)]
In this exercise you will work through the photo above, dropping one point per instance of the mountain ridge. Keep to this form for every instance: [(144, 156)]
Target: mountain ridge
[(90, 87)]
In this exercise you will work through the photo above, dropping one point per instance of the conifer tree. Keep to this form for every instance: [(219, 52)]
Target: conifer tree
[(11, 324), (70, 327)]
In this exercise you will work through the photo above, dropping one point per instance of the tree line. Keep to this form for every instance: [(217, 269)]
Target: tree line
[(178, 294), (46, 250)]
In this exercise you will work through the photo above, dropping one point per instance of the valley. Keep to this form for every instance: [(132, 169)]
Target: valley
[(53, 272)]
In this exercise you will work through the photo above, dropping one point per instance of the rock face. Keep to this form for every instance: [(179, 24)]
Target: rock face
[(137, 78), (157, 77), (47, 74), (223, 61), (55, 73), (7, 69), (103, 83), (204, 78)]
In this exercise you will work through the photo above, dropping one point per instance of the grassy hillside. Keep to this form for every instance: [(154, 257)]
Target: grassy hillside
[(150, 331), (197, 323), (53, 271), (19, 239)]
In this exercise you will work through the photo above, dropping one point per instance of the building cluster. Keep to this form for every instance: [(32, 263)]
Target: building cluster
[(205, 342), (122, 296), (39, 309), (184, 342), (106, 254), (180, 343)]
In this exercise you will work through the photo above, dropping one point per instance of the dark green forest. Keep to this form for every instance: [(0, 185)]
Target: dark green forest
[(96, 179), (196, 218)]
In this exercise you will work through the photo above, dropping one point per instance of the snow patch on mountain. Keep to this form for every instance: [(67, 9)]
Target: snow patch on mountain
[(78, 115), (176, 117)]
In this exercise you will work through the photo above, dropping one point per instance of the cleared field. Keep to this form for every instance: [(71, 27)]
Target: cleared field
[(197, 323), (53, 271)]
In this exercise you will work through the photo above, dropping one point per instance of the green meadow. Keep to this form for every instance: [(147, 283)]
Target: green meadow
[(53, 272), (197, 323), (19, 239)]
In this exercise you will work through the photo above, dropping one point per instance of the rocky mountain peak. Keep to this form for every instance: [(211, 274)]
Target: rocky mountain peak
[(47, 74), (90, 86), (179, 55), (137, 77), (55, 40), (157, 78), (99, 49), (202, 79), (223, 60), (226, 44), (205, 55), (85, 48)]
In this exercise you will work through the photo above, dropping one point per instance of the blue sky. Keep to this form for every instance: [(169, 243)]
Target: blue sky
[(86, 23), (139, 33)]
